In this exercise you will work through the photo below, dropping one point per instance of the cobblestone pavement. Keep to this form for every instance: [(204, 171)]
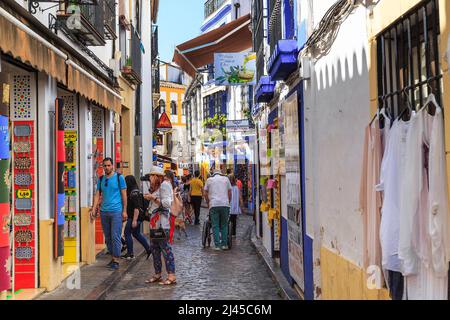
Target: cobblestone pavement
[(204, 274)]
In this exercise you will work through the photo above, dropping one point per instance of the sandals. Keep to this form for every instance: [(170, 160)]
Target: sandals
[(153, 279), (168, 282)]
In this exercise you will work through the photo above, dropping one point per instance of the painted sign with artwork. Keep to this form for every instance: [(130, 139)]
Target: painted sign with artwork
[(235, 69)]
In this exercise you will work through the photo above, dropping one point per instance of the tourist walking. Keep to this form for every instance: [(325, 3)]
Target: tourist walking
[(160, 203), (236, 203), (196, 193), (218, 197), (135, 213), (113, 210)]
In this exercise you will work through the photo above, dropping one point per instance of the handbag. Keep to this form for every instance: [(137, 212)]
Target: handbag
[(177, 205), (158, 234)]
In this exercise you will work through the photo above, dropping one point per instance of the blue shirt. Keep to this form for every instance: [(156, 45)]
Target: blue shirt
[(111, 193)]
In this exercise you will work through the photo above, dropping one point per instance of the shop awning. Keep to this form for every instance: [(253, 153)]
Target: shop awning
[(91, 88), (198, 52), (25, 45)]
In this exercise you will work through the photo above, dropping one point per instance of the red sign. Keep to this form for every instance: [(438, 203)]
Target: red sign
[(164, 122), (118, 155)]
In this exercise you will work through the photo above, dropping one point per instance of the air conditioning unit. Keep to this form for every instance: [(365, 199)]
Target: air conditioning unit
[(305, 67)]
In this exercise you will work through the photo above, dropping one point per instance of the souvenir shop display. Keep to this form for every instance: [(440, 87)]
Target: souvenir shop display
[(24, 253), (22, 220), (22, 130), (59, 174), (70, 187), (22, 163), (23, 203), (22, 147), (23, 236)]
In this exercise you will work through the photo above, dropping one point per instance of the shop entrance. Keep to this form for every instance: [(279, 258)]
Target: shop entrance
[(18, 178), (98, 150)]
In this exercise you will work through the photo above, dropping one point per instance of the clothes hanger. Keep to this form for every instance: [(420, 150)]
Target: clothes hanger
[(408, 108), (431, 99)]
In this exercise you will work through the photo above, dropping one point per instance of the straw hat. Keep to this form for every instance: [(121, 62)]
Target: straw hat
[(157, 171)]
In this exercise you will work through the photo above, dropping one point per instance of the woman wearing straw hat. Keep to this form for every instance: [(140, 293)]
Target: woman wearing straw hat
[(160, 202)]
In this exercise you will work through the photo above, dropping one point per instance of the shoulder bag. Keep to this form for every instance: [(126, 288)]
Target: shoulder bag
[(158, 234)]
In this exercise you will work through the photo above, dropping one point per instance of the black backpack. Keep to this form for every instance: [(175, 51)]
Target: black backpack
[(143, 211)]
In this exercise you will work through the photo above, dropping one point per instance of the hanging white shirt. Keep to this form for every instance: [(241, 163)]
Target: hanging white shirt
[(390, 178), (423, 246)]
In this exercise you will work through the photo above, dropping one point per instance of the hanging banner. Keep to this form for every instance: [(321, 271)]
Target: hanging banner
[(235, 69)]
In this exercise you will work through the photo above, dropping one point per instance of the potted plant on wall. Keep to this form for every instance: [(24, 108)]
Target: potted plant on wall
[(127, 67)]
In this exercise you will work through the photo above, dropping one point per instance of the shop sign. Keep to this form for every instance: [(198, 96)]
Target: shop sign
[(23, 194), (238, 125), (235, 69)]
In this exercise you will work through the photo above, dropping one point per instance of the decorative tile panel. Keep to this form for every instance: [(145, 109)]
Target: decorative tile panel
[(69, 113), (22, 105), (97, 123)]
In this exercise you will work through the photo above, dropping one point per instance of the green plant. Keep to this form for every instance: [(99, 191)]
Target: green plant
[(217, 122), (128, 63)]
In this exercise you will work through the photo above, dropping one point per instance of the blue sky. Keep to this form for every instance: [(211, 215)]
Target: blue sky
[(178, 21)]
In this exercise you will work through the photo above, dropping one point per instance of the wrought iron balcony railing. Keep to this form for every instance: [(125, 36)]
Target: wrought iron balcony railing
[(85, 20), (212, 6), (132, 69), (109, 8)]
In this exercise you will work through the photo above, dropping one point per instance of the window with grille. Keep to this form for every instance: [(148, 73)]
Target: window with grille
[(408, 60)]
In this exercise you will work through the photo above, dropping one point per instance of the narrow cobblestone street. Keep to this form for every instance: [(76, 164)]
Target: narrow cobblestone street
[(203, 273)]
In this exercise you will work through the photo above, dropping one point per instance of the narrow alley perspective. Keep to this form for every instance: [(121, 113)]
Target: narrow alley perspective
[(243, 156)]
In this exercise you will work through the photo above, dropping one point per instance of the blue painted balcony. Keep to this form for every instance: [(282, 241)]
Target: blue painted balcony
[(265, 90), (283, 60)]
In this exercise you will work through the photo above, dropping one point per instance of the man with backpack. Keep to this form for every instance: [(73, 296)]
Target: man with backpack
[(113, 211)]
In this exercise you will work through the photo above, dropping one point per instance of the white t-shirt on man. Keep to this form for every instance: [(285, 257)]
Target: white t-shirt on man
[(217, 187)]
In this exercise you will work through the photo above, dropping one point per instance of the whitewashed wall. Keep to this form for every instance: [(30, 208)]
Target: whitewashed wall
[(336, 113)]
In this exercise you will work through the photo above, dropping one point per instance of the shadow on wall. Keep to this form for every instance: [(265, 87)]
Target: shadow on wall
[(343, 71)]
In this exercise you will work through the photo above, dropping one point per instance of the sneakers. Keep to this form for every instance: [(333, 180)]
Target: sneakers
[(109, 263), (114, 266), (128, 257), (217, 249), (225, 248)]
